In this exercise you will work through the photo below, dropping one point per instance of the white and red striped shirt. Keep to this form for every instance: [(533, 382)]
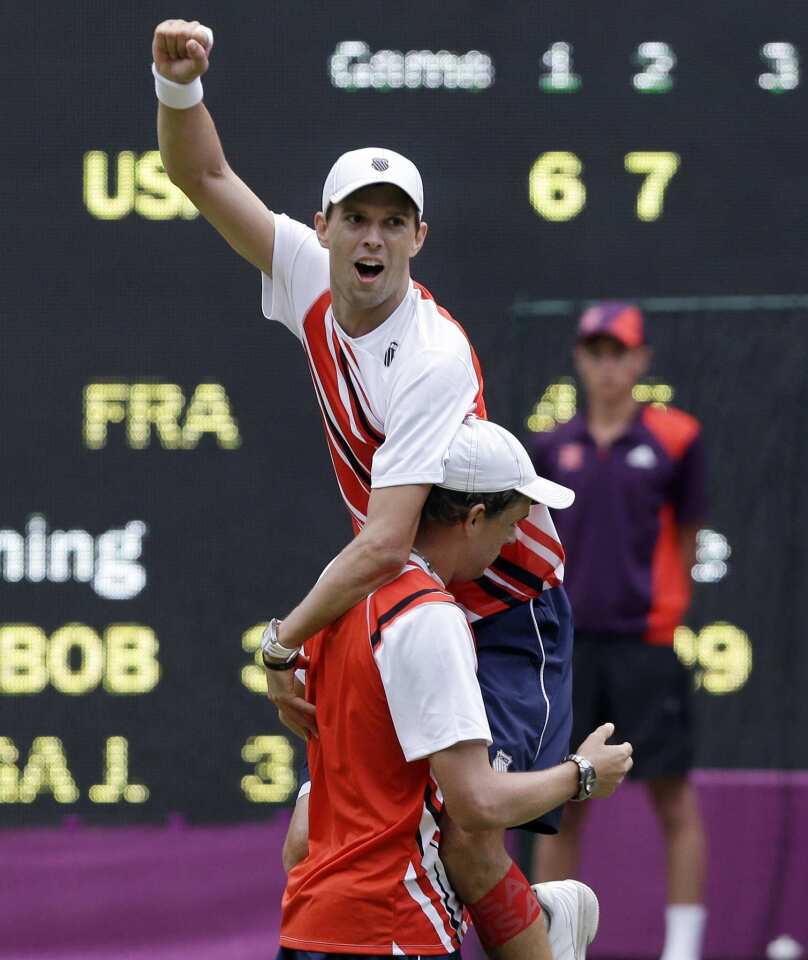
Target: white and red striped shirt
[(391, 402)]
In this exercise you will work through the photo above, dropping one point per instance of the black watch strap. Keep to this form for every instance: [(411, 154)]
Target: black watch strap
[(279, 664), (274, 654)]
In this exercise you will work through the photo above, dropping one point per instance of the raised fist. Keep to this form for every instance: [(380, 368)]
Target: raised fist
[(181, 49), (611, 761)]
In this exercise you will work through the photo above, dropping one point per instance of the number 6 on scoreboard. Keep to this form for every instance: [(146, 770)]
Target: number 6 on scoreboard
[(556, 192), (658, 169)]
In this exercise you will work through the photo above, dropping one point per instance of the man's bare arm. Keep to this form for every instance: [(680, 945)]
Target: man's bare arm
[(192, 152), (372, 558), (479, 798)]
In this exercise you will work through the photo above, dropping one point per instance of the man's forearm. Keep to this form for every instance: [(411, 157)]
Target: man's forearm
[(375, 556), (479, 798), (356, 572), (508, 800), (520, 797), (189, 145)]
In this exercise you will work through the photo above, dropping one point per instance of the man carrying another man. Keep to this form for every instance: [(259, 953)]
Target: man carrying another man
[(403, 738), (394, 376)]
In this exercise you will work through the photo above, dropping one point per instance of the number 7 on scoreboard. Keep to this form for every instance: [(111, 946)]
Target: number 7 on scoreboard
[(658, 169)]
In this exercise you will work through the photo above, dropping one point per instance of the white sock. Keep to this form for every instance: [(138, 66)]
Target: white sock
[(684, 931)]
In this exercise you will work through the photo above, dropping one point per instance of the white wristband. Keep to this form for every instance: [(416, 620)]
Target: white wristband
[(179, 96)]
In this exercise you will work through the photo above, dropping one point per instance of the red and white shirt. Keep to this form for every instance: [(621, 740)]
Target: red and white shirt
[(391, 402), (397, 684)]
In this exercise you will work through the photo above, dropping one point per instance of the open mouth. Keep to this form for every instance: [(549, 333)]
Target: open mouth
[(368, 270)]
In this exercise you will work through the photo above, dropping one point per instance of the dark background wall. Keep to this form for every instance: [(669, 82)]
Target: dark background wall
[(232, 509)]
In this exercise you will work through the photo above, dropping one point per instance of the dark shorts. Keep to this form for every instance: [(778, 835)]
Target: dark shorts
[(525, 673), (284, 953), (645, 691)]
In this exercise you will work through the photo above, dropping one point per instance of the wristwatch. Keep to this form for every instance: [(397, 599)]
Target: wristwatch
[(274, 654), (587, 778)]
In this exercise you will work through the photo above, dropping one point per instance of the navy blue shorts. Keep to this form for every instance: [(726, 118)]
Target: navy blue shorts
[(285, 953), (525, 671)]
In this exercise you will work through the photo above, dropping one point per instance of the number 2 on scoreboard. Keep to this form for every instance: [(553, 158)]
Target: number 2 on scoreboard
[(558, 193)]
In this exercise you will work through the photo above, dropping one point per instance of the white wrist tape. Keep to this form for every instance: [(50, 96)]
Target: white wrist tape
[(179, 96), (272, 647)]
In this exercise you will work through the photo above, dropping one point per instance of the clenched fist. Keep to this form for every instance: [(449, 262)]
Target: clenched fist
[(181, 49), (612, 761)]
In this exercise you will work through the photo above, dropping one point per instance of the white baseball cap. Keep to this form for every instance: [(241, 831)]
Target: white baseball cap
[(485, 458), (361, 168)]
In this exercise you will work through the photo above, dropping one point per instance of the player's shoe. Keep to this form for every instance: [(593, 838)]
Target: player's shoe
[(572, 912)]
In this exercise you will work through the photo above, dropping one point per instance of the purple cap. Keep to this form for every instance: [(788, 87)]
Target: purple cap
[(613, 318)]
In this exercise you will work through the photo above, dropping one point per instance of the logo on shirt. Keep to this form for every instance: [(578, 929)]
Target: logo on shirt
[(642, 457), (571, 456), (501, 761), (390, 352), (380, 164)]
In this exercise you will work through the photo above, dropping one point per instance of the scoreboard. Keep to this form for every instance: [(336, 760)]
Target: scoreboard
[(166, 487)]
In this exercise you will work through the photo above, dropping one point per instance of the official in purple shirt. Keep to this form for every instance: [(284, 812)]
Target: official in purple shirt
[(639, 480), (630, 534)]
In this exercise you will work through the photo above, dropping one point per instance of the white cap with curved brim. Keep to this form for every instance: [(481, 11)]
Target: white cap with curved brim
[(485, 458), (370, 165)]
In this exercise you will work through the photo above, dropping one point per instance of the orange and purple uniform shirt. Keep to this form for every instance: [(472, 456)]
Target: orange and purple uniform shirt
[(624, 570)]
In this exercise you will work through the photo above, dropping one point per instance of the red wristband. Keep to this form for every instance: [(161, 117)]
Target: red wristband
[(506, 910)]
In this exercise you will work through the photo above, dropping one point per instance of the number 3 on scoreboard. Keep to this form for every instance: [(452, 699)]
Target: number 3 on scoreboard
[(557, 192)]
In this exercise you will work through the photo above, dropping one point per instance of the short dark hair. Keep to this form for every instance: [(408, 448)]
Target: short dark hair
[(448, 507)]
